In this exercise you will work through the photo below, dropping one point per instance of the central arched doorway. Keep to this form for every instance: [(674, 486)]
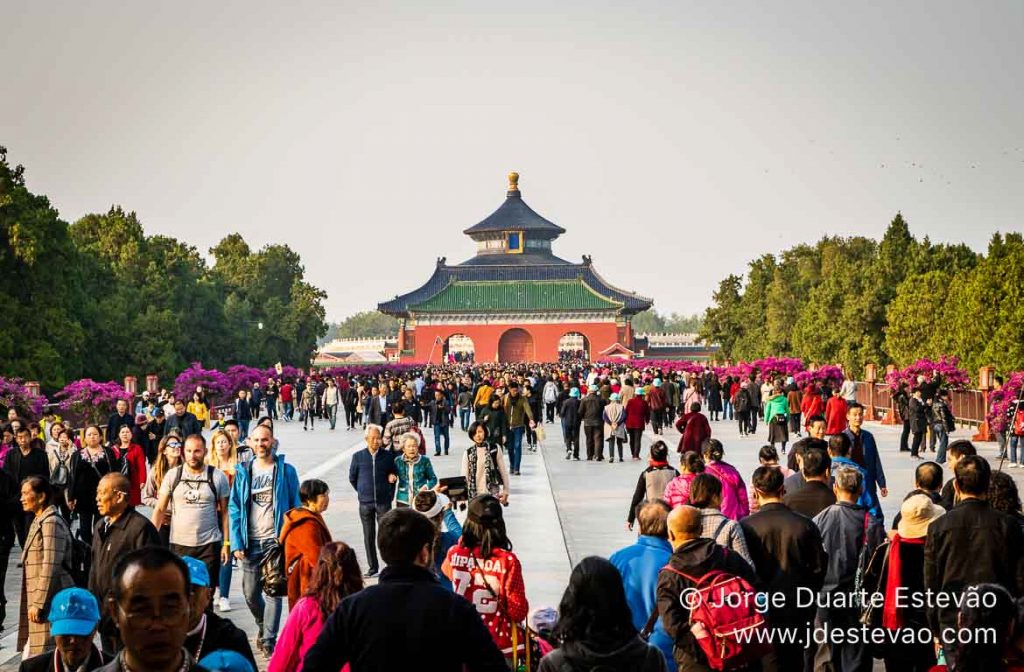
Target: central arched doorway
[(516, 345), (458, 349)]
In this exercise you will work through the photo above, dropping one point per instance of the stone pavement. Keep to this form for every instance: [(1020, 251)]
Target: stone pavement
[(560, 511)]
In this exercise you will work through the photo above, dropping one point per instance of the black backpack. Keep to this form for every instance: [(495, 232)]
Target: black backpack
[(742, 401)]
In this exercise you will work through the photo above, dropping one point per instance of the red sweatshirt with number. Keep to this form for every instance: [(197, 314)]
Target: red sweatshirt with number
[(503, 573)]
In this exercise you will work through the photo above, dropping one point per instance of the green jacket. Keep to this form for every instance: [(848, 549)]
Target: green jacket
[(518, 411), (777, 405)]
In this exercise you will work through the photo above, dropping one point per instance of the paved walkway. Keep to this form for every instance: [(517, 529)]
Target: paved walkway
[(560, 511)]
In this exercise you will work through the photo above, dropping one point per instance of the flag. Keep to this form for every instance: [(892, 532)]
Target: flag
[(438, 341)]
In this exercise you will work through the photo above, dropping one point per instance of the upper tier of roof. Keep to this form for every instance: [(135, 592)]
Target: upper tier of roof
[(515, 215), (460, 296)]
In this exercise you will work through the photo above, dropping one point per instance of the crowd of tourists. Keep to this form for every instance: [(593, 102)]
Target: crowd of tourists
[(721, 566)]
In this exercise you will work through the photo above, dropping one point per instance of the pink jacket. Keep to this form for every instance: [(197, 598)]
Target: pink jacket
[(300, 632), (734, 493), (677, 492)]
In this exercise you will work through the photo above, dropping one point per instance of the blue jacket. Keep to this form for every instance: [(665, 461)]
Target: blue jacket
[(640, 565), (422, 474), (368, 474), (874, 474), (286, 498), (447, 539), (866, 496)]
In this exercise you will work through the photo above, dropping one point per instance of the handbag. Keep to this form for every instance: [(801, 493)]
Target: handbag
[(539, 430), (273, 573), (619, 433), (529, 660), (60, 475)]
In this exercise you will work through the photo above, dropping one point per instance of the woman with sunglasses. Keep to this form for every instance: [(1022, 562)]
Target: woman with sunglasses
[(168, 457)]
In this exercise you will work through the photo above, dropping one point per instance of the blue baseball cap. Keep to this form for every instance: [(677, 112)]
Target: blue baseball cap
[(74, 611), (224, 660), (198, 574), (574, 392)]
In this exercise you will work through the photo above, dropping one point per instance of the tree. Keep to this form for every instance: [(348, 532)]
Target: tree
[(914, 328), (367, 324)]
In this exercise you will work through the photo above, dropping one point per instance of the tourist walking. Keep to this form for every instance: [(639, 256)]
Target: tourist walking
[(571, 419), (650, 487), (88, 466), (614, 416), (483, 465), (415, 471), (519, 414), (373, 474), (734, 492), (303, 534)]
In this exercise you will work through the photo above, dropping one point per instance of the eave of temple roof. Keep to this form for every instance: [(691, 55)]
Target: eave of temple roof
[(443, 275)]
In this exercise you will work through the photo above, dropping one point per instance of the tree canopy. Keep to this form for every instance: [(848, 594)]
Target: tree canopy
[(100, 298), (651, 321), (367, 324), (857, 300)]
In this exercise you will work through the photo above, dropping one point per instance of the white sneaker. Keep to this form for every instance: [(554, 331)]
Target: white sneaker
[(223, 604)]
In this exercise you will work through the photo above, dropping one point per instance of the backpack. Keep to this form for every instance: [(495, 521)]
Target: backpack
[(1018, 421), (78, 561), (724, 620), (209, 481), (741, 402)]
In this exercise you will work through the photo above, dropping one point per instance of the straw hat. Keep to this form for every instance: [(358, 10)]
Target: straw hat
[(917, 512)]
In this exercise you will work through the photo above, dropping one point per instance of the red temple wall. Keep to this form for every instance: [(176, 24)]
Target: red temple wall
[(486, 337)]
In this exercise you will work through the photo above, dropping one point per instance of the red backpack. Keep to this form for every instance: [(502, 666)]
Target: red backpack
[(725, 621), (1018, 420)]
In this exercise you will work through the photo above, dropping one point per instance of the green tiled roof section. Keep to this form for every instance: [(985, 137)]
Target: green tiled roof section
[(523, 295)]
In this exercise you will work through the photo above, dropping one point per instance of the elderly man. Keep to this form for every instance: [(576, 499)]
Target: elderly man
[(121, 529), (150, 600), (74, 616), (639, 565), (373, 475)]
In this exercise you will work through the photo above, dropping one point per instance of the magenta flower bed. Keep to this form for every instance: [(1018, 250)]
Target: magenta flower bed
[(14, 394), (946, 369), (829, 373), (1000, 401), (91, 401), (216, 385)]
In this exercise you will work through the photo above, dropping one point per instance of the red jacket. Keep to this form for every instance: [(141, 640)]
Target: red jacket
[(136, 459), (638, 414), (811, 404), (503, 573), (835, 415), (696, 430), (656, 399)]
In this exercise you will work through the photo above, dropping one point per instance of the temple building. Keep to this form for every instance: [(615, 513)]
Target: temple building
[(515, 301)]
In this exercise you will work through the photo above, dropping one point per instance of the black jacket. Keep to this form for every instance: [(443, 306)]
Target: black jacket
[(220, 634), (635, 655), (788, 554), (21, 466), (114, 425), (934, 496), (50, 661), (407, 621), (187, 424), (570, 412), (810, 499), (972, 544), (592, 411), (128, 533), (695, 559), (918, 416)]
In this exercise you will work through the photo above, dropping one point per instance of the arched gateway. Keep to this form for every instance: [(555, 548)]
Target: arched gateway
[(515, 300)]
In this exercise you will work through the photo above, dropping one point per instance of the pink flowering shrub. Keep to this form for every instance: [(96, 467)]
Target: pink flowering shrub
[(242, 377), (1000, 401), (14, 394), (216, 385), (91, 401), (829, 373), (946, 370)]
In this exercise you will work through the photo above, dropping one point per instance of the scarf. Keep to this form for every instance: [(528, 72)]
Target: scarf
[(655, 464), (892, 617)]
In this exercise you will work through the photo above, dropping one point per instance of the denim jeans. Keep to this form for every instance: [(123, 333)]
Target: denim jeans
[(369, 516), (464, 419), (265, 610), (289, 410), (941, 440), (224, 584), (726, 410), (332, 414), (1013, 449), (243, 430), (272, 408), (439, 433), (515, 447)]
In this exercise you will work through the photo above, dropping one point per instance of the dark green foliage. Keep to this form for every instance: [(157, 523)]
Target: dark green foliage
[(99, 298)]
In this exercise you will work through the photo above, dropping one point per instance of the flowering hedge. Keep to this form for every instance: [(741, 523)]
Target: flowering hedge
[(1002, 399), (242, 377), (14, 394), (830, 373), (773, 367), (91, 401), (946, 370), (216, 385)]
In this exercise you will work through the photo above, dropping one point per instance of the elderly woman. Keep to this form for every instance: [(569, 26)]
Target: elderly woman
[(614, 417), (415, 472), (47, 551)]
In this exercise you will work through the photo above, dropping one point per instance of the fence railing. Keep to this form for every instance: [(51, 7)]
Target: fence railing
[(968, 406)]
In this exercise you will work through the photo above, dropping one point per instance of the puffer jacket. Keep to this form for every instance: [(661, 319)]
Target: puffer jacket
[(677, 492), (734, 493), (412, 476)]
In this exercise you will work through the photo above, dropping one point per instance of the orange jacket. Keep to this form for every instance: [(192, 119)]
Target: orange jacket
[(303, 534)]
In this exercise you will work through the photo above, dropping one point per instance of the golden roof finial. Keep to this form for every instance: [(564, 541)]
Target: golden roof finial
[(513, 181)]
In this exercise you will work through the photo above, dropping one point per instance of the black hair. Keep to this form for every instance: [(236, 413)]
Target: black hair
[(712, 450), (148, 557), (767, 480), (659, 451), (231, 421), (703, 489), (695, 407), (266, 421), (973, 475), (692, 462), (816, 463), (839, 445), (40, 486), (489, 533), (1003, 495), (593, 610), (816, 418), (768, 454), (981, 654), (475, 426), (402, 535), (928, 475), (961, 448), (312, 488)]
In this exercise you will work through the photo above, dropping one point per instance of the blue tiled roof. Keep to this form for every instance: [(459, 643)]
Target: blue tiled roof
[(515, 215)]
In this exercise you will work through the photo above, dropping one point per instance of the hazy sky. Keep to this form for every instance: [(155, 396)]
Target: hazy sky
[(674, 140)]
